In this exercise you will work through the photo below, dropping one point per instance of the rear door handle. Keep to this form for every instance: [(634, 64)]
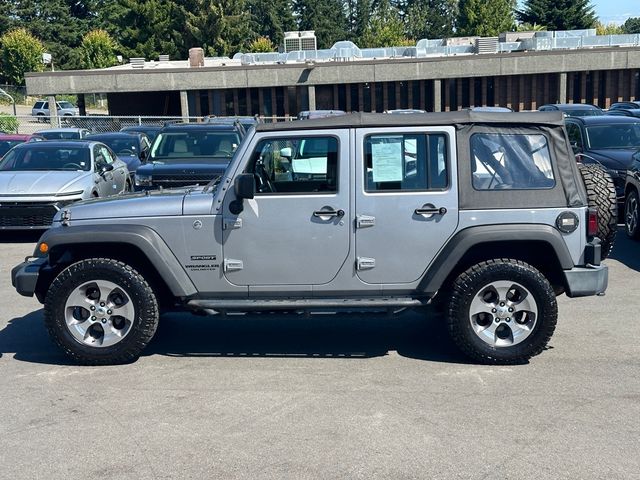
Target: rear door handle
[(430, 211), (328, 213)]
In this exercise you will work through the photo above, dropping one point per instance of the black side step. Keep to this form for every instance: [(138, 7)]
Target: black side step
[(245, 305)]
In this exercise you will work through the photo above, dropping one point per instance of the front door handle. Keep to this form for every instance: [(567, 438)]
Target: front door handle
[(430, 210), (328, 213)]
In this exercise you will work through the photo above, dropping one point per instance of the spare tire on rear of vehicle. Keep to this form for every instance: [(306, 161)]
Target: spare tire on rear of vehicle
[(601, 193)]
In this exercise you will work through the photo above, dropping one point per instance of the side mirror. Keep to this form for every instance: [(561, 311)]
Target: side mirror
[(245, 186), (286, 152), (106, 168), (575, 147)]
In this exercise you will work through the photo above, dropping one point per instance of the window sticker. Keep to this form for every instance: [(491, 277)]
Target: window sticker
[(387, 161)]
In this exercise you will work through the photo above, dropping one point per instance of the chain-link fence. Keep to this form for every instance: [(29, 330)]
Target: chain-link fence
[(27, 124)]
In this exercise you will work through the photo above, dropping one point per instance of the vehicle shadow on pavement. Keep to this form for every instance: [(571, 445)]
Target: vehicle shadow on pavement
[(626, 251), (346, 336), (349, 336), (28, 236), (27, 338)]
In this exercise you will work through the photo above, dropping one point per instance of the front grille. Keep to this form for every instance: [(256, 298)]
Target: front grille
[(26, 215)]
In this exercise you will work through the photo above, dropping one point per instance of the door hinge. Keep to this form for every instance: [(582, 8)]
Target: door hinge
[(364, 263), (233, 224), (363, 221), (231, 265)]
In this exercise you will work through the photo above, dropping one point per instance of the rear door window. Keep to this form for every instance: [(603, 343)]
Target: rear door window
[(511, 162)]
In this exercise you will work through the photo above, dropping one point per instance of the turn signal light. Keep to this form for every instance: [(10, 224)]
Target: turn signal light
[(592, 228), (43, 248)]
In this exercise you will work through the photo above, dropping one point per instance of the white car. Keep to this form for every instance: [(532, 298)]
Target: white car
[(39, 179)]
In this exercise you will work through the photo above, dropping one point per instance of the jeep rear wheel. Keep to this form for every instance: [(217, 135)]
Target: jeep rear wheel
[(601, 194), (502, 311), (101, 312)]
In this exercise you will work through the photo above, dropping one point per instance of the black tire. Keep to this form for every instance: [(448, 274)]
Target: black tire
[(142, 330), (473, 281), (601, 193), (632, 214)]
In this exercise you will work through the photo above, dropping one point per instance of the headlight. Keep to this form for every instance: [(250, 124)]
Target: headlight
[(143, 180)]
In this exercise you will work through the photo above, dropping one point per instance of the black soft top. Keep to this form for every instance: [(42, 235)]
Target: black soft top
[(464, 117)]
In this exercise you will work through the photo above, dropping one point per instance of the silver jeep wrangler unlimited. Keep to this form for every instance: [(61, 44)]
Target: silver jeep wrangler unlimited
[(483, 214)]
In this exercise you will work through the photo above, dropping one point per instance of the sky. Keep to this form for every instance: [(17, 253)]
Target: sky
[(616, 11)]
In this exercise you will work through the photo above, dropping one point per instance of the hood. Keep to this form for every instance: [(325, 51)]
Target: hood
[(152, 204), (615, 159), (40, 183), (183, 168), (131, 161)]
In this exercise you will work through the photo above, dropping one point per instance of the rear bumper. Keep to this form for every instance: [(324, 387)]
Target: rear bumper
[(586, 281), (24, 277)]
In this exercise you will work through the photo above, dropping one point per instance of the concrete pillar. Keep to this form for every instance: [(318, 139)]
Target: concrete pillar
[(311, 92), (583, 87), (510, 92), (184, 105), (53, 111), (82, 106), (521, 93), (472, 92), (484, 92), (596, 88), (437, 95), (562, 88)]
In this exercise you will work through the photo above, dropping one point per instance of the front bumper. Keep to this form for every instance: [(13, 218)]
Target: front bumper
[(24, 277), (586, 281)]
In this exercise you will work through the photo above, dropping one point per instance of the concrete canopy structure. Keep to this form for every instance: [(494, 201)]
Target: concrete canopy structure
[(522, 80)]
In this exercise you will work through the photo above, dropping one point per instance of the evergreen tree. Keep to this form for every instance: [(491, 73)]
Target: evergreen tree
[(486, 18), (221, 27), (20, 52), (385, 28), (97, 50), (271, 18), (632, 25), (326, 17), (145, 28), (431, 18), (559, 14)]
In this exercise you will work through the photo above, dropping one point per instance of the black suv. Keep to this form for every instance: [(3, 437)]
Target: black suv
[(188, 154), (609, 141)]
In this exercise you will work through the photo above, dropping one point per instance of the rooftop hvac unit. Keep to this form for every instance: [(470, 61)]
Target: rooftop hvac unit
[(295, 41), (137, 62), (487, 45)]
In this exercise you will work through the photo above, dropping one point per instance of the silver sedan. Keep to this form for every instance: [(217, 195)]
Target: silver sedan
[(39, 179)]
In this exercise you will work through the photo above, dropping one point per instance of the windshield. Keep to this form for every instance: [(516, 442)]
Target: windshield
[(59, 135), (194, 146), (624, 135), (121, 146), (6, 145), (46, 158)]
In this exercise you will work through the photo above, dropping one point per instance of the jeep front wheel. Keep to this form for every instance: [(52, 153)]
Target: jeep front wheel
[(101, 312), (502, 312)]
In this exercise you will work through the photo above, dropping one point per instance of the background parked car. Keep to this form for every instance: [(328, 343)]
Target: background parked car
[(63, 133), (132, 148), (625, 112), (37, 179), (573, 109), (151, 131), (627, 105), (65, 109), (188, 154), (246, 122), (610, 141), (10, 140), (311, 114)]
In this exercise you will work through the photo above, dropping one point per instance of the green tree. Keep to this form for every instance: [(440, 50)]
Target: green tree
[(261, 45), (221, 27), (632, 25), (327, 17), (385, 29), (145, 28), (431, 18), (271, 18), (98, 50), (486, 18), (559, 14), (608, 29), (20, 52)]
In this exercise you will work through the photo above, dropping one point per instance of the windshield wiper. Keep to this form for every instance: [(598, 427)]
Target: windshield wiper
[(212, 184)]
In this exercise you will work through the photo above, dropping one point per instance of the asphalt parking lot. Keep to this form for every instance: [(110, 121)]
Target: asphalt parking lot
[(277, 396)]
